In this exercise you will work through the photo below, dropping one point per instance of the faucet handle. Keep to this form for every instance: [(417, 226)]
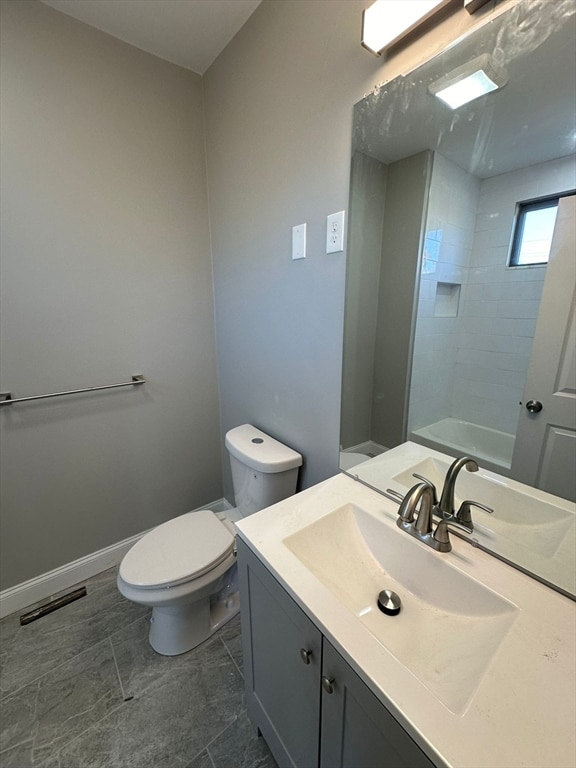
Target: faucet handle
[(464, 514), (442, 537), (428, 482), (393, 495)]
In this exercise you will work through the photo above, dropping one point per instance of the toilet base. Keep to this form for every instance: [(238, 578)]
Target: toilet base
[(178, 629)]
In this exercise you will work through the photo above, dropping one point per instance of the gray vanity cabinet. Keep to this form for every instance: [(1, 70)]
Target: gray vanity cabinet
[(311, 707), (357, 731), (282, 665)]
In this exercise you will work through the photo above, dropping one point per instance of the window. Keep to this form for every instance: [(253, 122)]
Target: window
[(533, 232)]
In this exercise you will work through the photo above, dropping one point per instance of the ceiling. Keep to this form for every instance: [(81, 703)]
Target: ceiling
[(190, 33), (530, 120)]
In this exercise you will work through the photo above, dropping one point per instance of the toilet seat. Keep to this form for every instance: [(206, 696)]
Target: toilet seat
[(178, 551)]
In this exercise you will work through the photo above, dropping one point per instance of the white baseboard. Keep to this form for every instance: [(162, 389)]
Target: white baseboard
[(47, 585), (50, 584)]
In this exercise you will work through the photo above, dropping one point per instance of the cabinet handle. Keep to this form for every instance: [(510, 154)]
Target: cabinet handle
[(305, 655), (327, 684)]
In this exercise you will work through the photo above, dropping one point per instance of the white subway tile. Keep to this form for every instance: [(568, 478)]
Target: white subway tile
[(510, 308)]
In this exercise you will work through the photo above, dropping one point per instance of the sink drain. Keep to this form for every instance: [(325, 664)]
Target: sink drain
[(389, 602)]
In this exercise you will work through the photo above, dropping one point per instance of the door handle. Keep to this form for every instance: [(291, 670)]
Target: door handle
[(534, 406)]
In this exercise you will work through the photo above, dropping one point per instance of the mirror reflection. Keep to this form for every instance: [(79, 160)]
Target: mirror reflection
[(459, 325)]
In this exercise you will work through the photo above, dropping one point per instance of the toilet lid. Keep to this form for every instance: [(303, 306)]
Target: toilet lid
[(177, 551)]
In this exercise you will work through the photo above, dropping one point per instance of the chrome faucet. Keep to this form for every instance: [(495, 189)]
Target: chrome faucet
[(418, 522), (445, 508), (409, 516)]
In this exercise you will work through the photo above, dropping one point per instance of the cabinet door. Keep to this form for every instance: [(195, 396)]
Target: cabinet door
[(282, 660), (357, 729)]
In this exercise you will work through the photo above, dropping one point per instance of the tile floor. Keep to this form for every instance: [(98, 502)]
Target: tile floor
[(81, 688)]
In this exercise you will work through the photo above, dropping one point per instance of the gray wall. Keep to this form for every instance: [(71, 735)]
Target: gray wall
[(105, 273), (404, 216), (365, 219), (275, 116), (278, 130)]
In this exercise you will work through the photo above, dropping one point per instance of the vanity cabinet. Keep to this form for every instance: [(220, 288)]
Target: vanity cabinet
[(302, 696), (356, 728), (282, 665)]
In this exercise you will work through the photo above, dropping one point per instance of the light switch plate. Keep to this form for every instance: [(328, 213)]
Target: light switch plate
[(335, 232), (299, 241)]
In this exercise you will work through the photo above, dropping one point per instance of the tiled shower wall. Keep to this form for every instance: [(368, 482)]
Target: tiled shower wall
[(501, 304), (474, 366), (452, 204)]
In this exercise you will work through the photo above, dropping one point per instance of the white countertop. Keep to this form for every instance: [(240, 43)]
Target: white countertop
[(523, 712)]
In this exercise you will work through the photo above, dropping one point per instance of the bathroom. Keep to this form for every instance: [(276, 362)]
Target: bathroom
[(148, 220)]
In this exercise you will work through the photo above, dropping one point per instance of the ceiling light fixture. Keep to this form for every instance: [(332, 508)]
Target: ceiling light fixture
[(385, 22), (470, 81)]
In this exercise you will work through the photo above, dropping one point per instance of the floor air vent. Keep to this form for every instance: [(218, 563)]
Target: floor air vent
[(53, 605)]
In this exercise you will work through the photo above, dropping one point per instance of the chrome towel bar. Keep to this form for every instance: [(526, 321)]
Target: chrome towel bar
[(7, 399)]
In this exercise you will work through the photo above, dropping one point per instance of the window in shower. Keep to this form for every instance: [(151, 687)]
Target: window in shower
[(533, 232)]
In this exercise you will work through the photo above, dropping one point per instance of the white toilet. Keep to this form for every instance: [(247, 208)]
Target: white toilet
[(185, 569)]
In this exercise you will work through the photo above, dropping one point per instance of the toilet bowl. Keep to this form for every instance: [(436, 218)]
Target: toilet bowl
[(185, 569)]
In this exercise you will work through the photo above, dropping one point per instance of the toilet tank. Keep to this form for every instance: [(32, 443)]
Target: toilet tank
[(264, 471)]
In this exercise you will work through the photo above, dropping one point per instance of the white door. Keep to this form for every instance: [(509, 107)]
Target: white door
[(545, 448)]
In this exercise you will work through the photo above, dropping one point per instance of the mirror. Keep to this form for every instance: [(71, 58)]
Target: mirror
[(439, 329)]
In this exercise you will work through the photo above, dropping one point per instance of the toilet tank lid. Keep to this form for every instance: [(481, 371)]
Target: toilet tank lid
[(259, 451)]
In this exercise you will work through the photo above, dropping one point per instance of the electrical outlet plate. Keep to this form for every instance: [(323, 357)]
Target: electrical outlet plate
[(335, 232)]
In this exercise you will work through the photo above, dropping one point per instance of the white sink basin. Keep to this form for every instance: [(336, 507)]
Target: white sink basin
[(518, 516), (450, 626)]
